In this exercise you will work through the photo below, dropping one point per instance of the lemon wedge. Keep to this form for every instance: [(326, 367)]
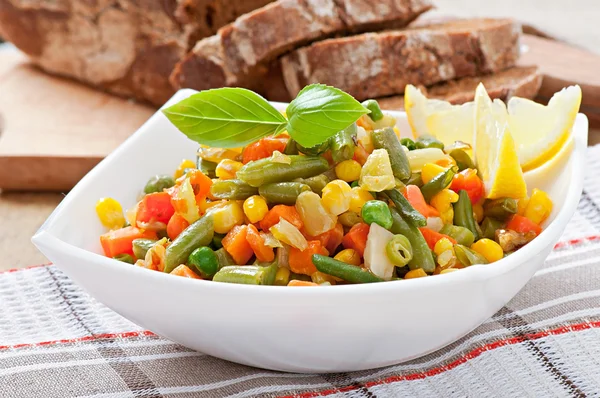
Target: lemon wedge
[(448, 123), (542, 131), (495, 151)]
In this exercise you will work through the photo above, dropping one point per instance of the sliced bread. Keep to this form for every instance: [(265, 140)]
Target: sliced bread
[(128, 47), (382, 64), (520, 81), (238, 54)]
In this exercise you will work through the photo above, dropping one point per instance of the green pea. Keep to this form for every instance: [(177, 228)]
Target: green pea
[(158, 183), (204, 261), (378, 212)]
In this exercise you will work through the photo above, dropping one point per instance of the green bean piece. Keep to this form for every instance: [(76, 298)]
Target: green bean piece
[(282, 193), (428, 141), (437, 184), (208, 168), (399, 250), (265, 171), (500, 209), (461, 235), (463, 160), (339, 269), (204, 262), (247, 274), (224, 258), (314, 150), (415, 179), (343, 144), (217, 240), (408, 143), (463, 213), (198, 234), (489, 226), (232, 190), (300, 277), (158, 183), (141, 247), (422, 255), (378, 212), (125, 258), (468, 257), (349, 219), (405, 209), (316, 183), (375, 111), (291, 148), (387, 139)]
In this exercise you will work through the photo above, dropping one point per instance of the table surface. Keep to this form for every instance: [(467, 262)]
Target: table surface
[(21, 214)]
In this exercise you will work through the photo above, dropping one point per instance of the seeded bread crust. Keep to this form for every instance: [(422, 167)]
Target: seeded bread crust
[(127, 47), (521, 81), (239, 53), (382, 64)]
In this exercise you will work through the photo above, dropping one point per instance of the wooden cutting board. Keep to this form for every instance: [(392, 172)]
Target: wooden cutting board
[(53, 130)]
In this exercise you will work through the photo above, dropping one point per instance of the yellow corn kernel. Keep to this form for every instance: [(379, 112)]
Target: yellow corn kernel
[(488, 249), (442, 245), (358, 197), (415, 273), (478, 212), (522, 206), (255, 208), (446, 162), (226, 215), (282, 277), (429, 171), (348, 256), (227, 169), (348, 170), (448, 270), (442, 202), (185, 164), (319, 277), (539, 207), (336, 197), (110, 213)]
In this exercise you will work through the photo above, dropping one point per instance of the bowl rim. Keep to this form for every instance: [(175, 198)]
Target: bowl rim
[(480, 272)]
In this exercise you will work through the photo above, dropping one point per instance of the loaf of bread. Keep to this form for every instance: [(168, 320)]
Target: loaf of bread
[(520, 81), (128, 47), (382, 64), (239, 53)]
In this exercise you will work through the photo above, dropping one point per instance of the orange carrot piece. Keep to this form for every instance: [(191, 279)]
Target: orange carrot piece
[(155, 207), (415, 197), (263, 148), (120, 241), (360, 154), (185, 271), (296, 282), (288, 213), (334, 238), (201, 184), (523, 225), (356, 238), (432, 237), (301, 260), (176, 226), (237, 245), (263, 252)]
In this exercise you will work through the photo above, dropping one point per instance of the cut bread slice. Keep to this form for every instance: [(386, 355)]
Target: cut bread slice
[(382, 64), (239, 53), (520, 81)]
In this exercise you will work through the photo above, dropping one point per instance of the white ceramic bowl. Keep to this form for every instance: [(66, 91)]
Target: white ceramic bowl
[(333, 329)]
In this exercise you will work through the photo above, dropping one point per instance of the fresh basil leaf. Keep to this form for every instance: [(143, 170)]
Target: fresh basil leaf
[(226, 117), (319, 112)]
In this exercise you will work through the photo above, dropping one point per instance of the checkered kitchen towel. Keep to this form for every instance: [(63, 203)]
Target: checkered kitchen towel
[(56, 341)]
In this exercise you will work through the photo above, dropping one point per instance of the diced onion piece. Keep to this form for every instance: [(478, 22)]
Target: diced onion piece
[(288, 233), (184, 202), (270, 240), (375, 257), (315, 217), (435, 223), (279, 157), (376, 174)]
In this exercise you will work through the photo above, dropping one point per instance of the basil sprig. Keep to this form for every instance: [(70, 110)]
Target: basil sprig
[(234, 117)]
